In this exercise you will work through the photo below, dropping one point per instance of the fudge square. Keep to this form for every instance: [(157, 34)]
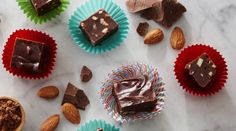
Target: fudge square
[(98, 27), (202, 70), (28, 55), (134, 95), (43, 6)]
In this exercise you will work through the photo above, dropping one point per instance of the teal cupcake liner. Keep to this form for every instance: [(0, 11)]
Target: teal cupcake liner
[(30, 12), (95, 124), (85, 11)]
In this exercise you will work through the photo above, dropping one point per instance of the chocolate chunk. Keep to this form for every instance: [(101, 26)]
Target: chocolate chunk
[(202, 70), (154, 13), (134, 95), (86, 74), (43, 6), (75, 96), (139, 5), (28, 55), (98, 27), (142, 29), (99, 129), (173, 10)]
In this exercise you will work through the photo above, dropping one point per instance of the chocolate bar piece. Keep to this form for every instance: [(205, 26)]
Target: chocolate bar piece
[(142, 29), (28, 55), (43, 6), (98, 27), (202, 70), (75, 96), (86, 74), (139, 5), (134, 95)]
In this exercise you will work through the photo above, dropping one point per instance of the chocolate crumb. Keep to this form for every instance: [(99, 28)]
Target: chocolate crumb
[(142, 29), (10, 115)]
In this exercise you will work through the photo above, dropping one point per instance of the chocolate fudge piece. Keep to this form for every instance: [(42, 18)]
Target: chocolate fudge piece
[(134, 95), (99, 129), (86, 74), (98, 27), (28, 55), (202, 70), (43, 6), (75, 96), (142, 29)]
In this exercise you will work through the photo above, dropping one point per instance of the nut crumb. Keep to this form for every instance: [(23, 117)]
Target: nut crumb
[(105, 30)]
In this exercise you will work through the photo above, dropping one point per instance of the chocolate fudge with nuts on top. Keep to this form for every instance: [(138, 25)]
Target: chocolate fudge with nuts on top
[(98, 27), (202, 69)]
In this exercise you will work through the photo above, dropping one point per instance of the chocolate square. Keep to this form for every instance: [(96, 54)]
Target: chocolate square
[(202, 70), (98, 27), (75, 96), (44, 6), (134, 95), (28, 55)]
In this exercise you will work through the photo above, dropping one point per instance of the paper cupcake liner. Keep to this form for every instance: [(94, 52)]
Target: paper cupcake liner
[(130, 71), (189, 54), (34, 35), (85, 11), (95, 124), (30, 12)]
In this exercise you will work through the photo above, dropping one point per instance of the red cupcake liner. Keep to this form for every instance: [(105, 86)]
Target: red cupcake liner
[(189, 54), (51, 49)]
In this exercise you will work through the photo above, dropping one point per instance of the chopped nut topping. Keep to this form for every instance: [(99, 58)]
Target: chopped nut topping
[(103, 22), (100, 12), (105, 30), (94, 18), (94, 26)]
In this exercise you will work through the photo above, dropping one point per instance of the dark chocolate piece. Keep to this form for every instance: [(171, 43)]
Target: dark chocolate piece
[(202, 70), (75, 96), (173, 10), (98, 27), (86, 74), (142, 29), (28, 55), (134, 95), (99, 129), (154, 13), (43, 6)]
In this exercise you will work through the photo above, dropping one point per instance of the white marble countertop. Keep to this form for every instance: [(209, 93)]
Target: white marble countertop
[(206, 21)]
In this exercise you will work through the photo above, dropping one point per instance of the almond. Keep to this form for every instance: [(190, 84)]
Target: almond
[(177, 39), (51, 123), (48, 92), (154, 36), (71, 113)]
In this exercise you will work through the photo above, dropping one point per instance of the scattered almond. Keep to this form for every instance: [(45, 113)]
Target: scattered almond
[(51, 123), (71, 113), (177, 39), (154, 36), (48, 92)]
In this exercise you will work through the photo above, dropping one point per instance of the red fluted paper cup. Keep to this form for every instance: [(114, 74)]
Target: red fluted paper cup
[(51, 50), (189, 54)]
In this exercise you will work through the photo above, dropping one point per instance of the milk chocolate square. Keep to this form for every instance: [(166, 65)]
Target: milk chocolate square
[(98, 27), (202, 70), (28, 55)]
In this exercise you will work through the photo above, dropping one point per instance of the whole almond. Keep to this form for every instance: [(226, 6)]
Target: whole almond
[(154, 36), (48, 92), (177, 39), (51, 123), (71, 113)]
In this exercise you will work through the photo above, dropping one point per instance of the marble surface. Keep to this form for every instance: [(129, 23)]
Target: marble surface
[(207, 21)]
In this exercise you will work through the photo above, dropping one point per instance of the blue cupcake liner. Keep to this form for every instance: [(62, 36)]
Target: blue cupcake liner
[(85, 11), (129, 71), (95, 124)]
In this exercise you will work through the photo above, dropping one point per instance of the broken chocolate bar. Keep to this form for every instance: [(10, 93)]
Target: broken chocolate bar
[(86, 74), (142, 29), (202, 70), (98, 27), (75, 96), (139, 5), (134, 95)]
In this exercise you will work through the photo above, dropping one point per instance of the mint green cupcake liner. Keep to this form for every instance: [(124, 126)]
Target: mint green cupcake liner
[(95, 124), (85, 11), (30, 12)]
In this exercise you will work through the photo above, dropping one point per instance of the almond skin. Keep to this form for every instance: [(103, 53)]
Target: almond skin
[(51, 123), (177, 39), (48, 92), (154, 36), (71, 113)]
